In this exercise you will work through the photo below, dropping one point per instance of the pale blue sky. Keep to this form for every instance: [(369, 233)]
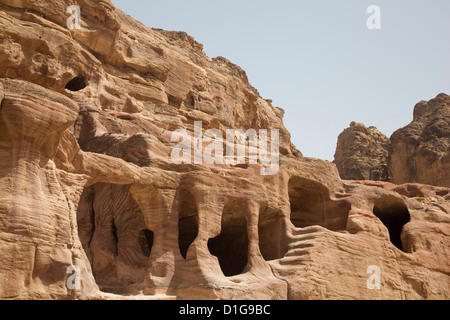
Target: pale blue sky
[(317, 60)]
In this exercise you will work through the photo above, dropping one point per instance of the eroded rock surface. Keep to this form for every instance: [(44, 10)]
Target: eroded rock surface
[(87, 180), (362, 153), (417, 153), (420, 152)]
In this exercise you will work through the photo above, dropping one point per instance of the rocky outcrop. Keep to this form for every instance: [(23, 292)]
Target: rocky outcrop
[(362, 153), (417, 153), (88, 181), (420, 152)]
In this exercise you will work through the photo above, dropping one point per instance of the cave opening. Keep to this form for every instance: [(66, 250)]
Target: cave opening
[(311, 205), (114, 236), (394, 214), (307, 204), (76, 84), (187, 222), (231, 246)]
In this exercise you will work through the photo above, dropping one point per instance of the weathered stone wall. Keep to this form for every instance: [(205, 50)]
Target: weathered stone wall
[(87, 180)]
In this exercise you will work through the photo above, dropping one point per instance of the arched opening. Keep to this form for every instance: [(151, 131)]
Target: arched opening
[(394, 214), (76, 84), (307, 203), (187, 222), (311, 205), (231, 246), (114, 235)]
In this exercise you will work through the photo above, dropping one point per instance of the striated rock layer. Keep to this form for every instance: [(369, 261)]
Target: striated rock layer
[(87, 180)]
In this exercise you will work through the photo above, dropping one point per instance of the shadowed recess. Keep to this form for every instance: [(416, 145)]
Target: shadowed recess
[(76, 84), (231, 246), (394, 214), (114, 236), (311, 205), (187, 222)]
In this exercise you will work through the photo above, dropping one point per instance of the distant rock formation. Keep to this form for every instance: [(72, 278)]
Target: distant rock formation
[(362, 153), (417, 153), (420, 152)]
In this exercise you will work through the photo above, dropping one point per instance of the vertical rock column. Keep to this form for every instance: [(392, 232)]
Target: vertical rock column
[(160, 215), (210, 208), (36, 212), (256, 261)]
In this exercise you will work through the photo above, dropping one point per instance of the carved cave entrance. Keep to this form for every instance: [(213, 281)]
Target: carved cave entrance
[(231, 246), (114, 236), (311, 206), (394, 214)]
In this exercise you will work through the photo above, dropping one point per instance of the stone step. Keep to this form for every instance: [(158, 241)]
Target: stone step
[(301, 244), (308, 230), (304, 237), (297, 260), (297, 252)]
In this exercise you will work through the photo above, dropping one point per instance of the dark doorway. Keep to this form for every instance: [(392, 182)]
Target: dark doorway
[(231, 246), (394, 214), (187, 222)]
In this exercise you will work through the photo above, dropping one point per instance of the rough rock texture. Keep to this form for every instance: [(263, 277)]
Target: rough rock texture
[(420, 152), (86, 179), (362, 153), (417, 153)]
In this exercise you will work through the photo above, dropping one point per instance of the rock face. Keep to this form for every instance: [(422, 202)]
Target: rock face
[(417, 153), (420, 152), (88, 181), (362, 153)]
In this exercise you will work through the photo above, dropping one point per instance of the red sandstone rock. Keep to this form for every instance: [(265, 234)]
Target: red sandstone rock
[(362, 153), (420, 152), (86, 180)]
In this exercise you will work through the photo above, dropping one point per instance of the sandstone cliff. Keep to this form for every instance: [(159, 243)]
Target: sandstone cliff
[(420, 152), (362, 153), (87, 180)]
